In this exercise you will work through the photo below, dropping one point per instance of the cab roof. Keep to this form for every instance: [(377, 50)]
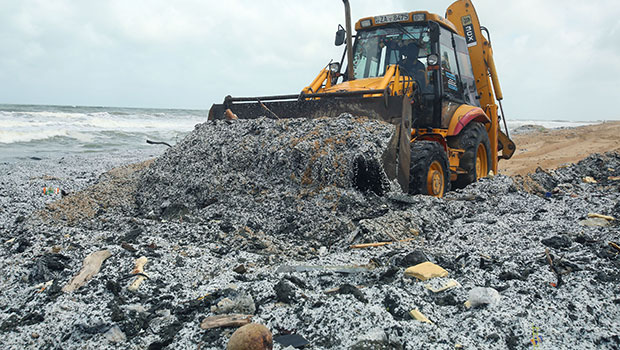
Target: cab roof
[(404, 17)]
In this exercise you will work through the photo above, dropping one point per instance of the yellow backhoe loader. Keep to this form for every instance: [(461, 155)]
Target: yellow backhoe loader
[(432, 77)]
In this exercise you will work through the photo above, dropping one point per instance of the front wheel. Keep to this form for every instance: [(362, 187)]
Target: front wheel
[(476, 160), (429, 172)]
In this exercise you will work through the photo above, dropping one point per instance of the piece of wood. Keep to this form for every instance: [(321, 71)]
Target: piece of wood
[(370, 245), (615, 246), (90, 267), (232, 320), (268, 110), (378, 244), (416, 314), (139, 269), (601, 216), (425, 271)]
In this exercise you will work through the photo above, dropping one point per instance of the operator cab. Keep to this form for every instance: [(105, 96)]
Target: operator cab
[(428, 51)]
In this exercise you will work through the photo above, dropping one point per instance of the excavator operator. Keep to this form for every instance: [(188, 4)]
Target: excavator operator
[(411, 66)]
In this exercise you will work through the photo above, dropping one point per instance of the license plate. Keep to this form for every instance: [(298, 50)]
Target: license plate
[(397, 17)]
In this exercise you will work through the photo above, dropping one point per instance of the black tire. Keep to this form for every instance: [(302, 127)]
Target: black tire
[(470, 139), (426, 159)]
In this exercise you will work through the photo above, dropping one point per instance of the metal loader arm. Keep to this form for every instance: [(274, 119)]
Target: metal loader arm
[(463, 15)]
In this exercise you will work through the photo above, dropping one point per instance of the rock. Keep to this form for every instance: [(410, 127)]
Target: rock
[(128, 247), (426, 270), (557, 242), (115, 335), (414, 258), (482, 296), (240, 269), (509, 275), (133, 234), (285, 291), (46, 266), (253, 336), (235, 303), (353, 290)]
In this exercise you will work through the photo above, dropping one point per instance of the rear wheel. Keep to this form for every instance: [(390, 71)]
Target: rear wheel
[(429, 172), (476, 160)]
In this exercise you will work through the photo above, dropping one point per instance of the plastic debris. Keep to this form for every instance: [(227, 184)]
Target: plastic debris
[(294, 340), (448, 285), (90, 267), (416, 314), (232, 320), (594, 222), (425, 271), (115, 335), (482, 296), (252, 336), (138, 270), (589, 180)]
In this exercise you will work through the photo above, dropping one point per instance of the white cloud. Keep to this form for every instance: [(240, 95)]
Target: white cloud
[(556, 59)]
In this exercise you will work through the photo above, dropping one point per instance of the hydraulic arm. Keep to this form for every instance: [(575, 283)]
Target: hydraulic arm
[(463, 14)]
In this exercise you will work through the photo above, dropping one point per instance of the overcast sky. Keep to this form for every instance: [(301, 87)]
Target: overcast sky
[(557, 59)]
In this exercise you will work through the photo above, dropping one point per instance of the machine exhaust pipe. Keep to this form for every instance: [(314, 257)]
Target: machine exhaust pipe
[(347, 14)]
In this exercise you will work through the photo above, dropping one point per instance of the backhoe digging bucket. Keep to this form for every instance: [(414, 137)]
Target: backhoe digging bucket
[(390, 109)]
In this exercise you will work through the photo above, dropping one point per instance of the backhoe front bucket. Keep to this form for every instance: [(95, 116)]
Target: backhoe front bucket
[(392, 109)]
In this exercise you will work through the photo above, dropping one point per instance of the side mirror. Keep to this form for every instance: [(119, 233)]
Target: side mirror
[(340, 35)]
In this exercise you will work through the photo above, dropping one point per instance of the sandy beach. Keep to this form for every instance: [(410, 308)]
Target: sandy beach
[(551, 148)]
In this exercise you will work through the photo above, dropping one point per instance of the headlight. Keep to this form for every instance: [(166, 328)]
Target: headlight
[(419, 17), (432, 60), (334, 67)]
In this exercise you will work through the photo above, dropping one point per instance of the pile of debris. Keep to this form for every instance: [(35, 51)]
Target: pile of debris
[(219, 238)]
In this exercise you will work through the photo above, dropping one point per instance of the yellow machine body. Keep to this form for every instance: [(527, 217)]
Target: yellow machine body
[(390, 97)]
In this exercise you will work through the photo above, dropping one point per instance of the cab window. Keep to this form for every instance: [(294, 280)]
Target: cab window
[(449, 66)]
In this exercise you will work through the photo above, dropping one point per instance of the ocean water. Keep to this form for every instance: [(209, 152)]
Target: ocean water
[(39, 131), (54, 131)]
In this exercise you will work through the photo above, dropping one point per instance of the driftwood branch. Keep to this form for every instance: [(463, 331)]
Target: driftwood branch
[(268, 110), (157, 143), (233, 320), (139, 272), (378, 244), (615, 246), (90, 267)]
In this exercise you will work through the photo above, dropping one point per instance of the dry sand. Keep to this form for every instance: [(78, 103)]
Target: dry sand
[(550, 149)]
